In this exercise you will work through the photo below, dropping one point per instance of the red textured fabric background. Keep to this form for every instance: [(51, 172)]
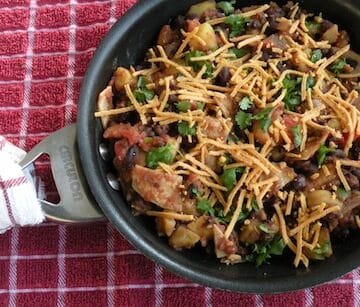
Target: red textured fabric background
[(45, 46)]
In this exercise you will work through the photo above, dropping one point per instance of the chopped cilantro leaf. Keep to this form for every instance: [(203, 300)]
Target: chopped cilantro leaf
[(310, 82), (141, 82), (292, 97), (316, 55), (245, 103), (264, 118), (313, 27), (226, 6), (239, 53), (243, 119), (141, 93), (204, 207), (254, 205), (237, 24), (261, 253), (197, 65), (338, 66), (228, 177), (322, 152), (183, 106), (200, 106), (342, 194), (164, 154), (277, 246), (185, 129), (296, 132), (225, 219), (323, 251)]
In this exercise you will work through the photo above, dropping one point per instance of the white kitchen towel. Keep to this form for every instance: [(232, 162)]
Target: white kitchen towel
[(19, 203)]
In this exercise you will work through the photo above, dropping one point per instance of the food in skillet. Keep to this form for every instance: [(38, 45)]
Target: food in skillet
[(240, 132)]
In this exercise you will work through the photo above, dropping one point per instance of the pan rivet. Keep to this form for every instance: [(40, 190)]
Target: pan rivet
[(104, 152), (113, 181)]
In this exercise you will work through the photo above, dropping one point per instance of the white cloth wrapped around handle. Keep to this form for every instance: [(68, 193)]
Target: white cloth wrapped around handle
[(19, 203)]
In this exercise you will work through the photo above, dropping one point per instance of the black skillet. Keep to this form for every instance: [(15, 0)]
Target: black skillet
[(126, 44)]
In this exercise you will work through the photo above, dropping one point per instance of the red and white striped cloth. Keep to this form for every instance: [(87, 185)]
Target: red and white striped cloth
[(18, 196), (45, 46)]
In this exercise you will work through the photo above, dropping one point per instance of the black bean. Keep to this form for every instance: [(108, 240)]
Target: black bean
[(352, 180), (173, 130), (281, 66), (240, 134), (351, 62), (267, 54), (326, 25), (172, 98), (186, 145), (272, 28), (255, 24), (336, 154), (355, 171), (223, 77), (355, 150), (299, 182), (331, 52), (305, 167), (130, 157), (149, 131), (269, 201), (275, 12), (161, 130), (278, 154)]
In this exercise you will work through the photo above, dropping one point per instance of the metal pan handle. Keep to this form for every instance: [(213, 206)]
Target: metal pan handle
[(76, 201)]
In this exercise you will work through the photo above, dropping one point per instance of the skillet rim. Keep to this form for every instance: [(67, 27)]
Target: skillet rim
[(89, 160)]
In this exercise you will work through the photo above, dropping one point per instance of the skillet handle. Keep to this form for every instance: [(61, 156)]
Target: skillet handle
[(76, 201)]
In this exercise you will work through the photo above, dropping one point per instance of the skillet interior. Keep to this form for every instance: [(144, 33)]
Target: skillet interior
[(126, 44)]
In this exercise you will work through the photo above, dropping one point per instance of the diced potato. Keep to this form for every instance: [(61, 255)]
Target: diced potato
[(331, 34), (207, 34), (223, 246), (260, 135), (218, 236), (201, 228), (165, 226), (250, 233), (183, 238), (200, 8), (315, 198), (122, 77)]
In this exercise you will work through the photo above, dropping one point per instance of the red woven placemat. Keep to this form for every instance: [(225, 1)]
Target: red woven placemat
[(45, 46)]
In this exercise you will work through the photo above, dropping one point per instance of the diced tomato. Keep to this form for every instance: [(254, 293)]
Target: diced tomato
[(123, 131), (191, 24), (290, 121), (121, 147)]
